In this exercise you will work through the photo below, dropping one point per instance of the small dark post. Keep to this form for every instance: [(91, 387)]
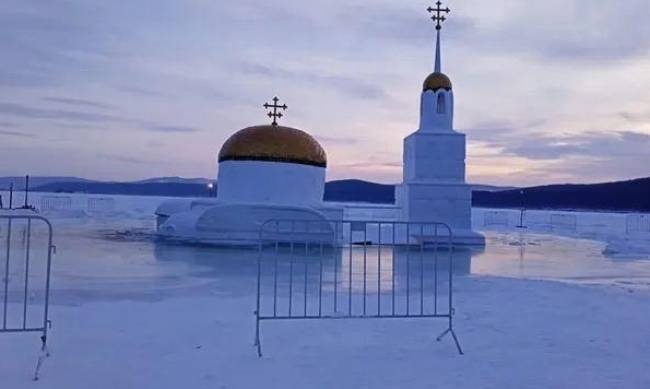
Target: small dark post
[(26, 192), (11, 195), (522, 210)]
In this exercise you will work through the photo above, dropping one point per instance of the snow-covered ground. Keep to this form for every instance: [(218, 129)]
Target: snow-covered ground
[(561, 304)]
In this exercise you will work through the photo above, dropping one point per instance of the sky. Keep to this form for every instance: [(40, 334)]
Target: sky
[(546, 91)]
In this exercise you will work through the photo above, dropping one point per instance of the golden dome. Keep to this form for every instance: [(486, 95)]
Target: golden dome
[(273, 143), (437, 81)]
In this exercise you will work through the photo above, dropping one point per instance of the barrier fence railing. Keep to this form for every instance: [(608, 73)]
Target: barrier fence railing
[(637, 223), (26, 270), (309, 270)]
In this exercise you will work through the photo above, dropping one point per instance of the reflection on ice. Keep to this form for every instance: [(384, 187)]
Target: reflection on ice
[(227, 264), (358, 280)]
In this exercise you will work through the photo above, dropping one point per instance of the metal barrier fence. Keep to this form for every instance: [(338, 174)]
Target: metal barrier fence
[(564, 221), (310, 270), (522, 218), (495, 218), (56, 203), (100, 205), (637, 223), (25, 307)]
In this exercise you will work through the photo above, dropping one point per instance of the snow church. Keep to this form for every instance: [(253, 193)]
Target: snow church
[(273, 172)]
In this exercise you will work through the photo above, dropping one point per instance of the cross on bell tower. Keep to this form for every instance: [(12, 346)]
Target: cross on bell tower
[(439, 16), (440, 13), (275, 107)]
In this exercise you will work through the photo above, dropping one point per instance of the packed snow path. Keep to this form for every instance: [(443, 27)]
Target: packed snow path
[(516, 334)]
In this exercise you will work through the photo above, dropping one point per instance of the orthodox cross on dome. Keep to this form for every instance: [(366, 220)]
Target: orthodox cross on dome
[(440, 13), (439, 16), (275, 107)]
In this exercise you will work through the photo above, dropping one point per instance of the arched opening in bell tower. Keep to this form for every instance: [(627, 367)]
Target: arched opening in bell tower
[(441, 104)]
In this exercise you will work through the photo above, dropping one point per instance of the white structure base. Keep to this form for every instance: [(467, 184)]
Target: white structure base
[(434, 188), (275, 183), (229, 224), (249, 194), (445, 203)]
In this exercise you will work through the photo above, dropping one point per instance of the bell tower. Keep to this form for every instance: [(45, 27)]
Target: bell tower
[(434, 187)]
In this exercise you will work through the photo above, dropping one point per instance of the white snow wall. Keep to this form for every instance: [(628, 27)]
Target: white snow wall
[(273, 183)]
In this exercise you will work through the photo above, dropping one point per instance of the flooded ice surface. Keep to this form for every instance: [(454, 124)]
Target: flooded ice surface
[(107, 249), (594, 248), (120, 257), (124, 259), (564, 258)]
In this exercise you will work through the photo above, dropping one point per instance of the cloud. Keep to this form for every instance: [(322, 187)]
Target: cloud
[(26, 112), (635, 117), (167, 128), (337, 141), (566, 30), (402, 25), (495, 131), (121, 158), (372, 164), (78, 102), (350, 86), (39, 40), (536, 158), (507, 125), (634, 137), (601, 145), (153, 69), (139, 91), (16, 134)]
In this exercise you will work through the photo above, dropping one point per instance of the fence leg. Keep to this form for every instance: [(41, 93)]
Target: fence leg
[(257, 305), (44, 347), (45, 353), (258, 342), (453, 334), (451, 331)]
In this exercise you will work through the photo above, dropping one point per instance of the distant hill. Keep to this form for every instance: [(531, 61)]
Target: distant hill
[(490, 188), (127, 188), (36, 181), (633, 195), (173, 180), (19, 182), (341, 191), (359, 191)]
